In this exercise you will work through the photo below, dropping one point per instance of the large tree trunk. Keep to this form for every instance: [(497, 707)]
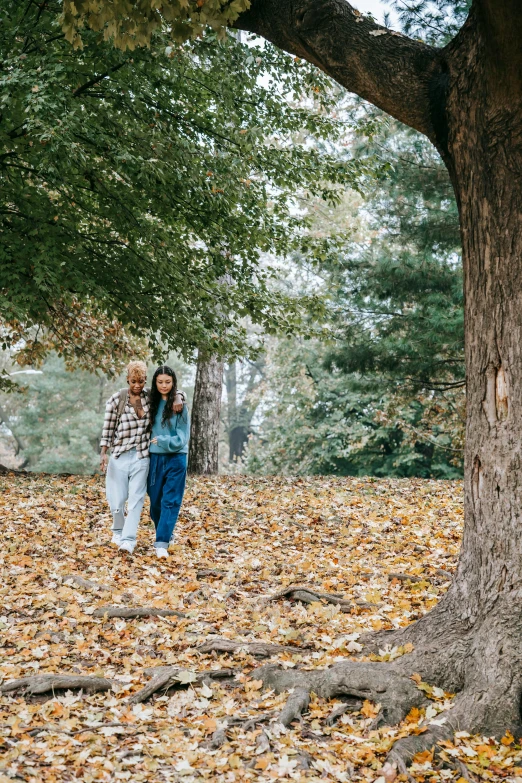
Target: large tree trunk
[(467, 99), (206, 408), (484, 111)]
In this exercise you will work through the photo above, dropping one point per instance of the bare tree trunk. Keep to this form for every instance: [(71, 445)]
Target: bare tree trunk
[(206, 407), (4, 419), (240, 415), (19, 446), (231, 383)]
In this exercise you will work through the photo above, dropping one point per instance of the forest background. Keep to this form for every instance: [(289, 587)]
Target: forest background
[(366, 374)]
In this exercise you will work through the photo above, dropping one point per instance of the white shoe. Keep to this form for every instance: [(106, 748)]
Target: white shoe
[(127, 547), (116, 537), (160, 552)]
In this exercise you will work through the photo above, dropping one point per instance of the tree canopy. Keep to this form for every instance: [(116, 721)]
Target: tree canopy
[(139, 189)]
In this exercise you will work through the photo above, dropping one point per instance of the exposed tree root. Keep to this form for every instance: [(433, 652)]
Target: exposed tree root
[(407, 577), (216, 572), (165, 677), (130, 612), (262, 743), (260, 649), (309, 734), (162, 679), (390, 686), (347, 706), (490, 706), (308, 595), (251, 723), (378, 682), (81, 582), (413, 578), (445, 574), (464, 771), (43, 683), (219, 737), (206, 676), (404, 750), (297, 703)]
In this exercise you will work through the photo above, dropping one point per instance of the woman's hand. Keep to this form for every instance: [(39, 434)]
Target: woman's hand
[(177, 406), (154, 440)]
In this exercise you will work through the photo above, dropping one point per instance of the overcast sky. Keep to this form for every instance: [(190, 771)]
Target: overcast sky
[(375, 7)]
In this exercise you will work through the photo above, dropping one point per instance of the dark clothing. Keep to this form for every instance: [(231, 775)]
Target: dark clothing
[(166, 485)]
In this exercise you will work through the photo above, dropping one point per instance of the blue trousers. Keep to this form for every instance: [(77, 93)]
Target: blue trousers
[(166, 485)]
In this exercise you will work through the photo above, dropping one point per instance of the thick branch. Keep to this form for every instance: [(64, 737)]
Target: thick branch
[(395, 73), (97, 79)]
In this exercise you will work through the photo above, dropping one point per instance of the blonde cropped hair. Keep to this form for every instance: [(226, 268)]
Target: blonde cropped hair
[(137, 368)]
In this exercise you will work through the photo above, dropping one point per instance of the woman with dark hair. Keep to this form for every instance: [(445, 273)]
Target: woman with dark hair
[(169, 436)]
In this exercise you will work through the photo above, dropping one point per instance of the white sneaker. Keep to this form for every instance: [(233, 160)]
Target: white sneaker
[(116, 537), (160, 552), (127, 547)]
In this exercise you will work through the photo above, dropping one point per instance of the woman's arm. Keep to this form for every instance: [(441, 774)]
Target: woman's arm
[(109, 424), (173, 443), (179, 400)]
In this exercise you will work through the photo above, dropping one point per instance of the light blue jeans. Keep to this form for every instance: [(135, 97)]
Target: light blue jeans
[(126, 481)]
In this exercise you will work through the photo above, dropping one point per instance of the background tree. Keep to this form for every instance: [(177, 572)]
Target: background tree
[(466, 98), (206, 409), (242, 384), (380, 390)]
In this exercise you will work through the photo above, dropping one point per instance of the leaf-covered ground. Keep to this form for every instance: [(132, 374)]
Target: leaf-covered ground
[(239, 542)]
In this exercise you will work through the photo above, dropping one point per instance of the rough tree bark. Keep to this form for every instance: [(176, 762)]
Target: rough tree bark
[(467, 99), (206, 407)]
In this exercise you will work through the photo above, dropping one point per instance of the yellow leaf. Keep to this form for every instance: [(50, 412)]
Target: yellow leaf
[(369, 710), (210, 725), (424, 756), (413, 716), (192, 586), (508, 739)]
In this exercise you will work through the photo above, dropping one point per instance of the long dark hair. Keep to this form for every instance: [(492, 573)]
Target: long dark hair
[(155, 396)]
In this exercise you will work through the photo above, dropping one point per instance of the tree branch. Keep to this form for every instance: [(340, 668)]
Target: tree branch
[(97, 79), (399, 75)]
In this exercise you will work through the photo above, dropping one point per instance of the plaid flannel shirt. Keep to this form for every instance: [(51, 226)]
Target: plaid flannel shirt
[(132, 432)]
